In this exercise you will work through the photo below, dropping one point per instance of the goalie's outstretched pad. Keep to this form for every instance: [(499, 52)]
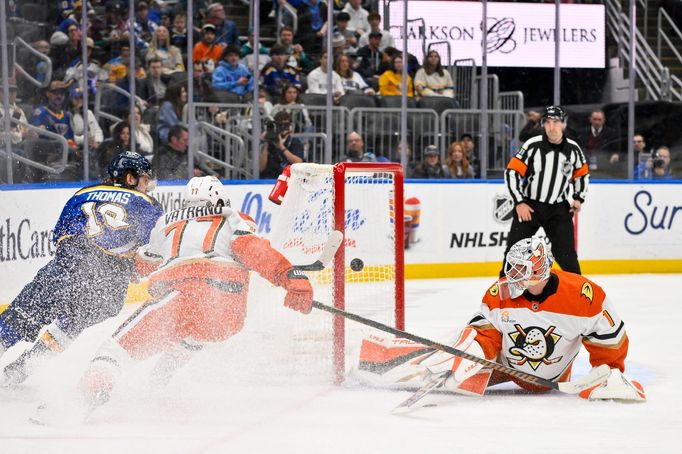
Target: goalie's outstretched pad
[(617, 387)]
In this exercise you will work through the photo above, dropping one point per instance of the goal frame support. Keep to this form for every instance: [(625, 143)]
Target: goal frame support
[(338, 325)]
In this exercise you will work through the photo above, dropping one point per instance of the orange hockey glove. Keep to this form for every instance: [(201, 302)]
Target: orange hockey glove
[(299, 291)]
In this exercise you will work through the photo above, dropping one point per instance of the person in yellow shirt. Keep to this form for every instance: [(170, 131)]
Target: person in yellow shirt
[(391, 81)]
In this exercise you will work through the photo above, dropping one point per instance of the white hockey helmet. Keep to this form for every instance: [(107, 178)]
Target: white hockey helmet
[(528, 262), (205, 191)]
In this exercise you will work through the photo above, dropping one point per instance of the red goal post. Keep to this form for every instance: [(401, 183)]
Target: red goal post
[(364, 201)]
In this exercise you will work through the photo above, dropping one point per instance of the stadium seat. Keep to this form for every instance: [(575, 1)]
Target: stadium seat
[(395, 102), (227, 97), (351, 101), (34, 13), (310, 99), (437, 103)]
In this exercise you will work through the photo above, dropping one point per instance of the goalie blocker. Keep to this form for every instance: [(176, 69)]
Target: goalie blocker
[(533, 320)]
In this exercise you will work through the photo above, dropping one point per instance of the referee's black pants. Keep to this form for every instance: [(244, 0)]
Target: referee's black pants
[(557, 221)]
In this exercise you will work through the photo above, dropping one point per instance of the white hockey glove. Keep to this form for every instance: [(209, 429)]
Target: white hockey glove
[(617, 387)]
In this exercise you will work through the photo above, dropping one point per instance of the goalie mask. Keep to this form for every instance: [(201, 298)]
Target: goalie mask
[(528, 263), (206, 191)]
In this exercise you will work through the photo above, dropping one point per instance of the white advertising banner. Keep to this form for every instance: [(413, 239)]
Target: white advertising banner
[(518, 34), (462, 229)]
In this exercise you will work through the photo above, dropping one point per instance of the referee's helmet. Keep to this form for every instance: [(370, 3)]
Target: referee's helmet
[(556, 112)]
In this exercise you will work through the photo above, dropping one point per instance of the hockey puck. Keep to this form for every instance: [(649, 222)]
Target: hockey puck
[(356, 265)]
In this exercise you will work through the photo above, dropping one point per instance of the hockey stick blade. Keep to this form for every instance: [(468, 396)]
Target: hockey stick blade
[(333, 243), (596, 377), (420, 393)]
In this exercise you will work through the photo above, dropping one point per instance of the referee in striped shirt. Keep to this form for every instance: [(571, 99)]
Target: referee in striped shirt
[(538, 178)]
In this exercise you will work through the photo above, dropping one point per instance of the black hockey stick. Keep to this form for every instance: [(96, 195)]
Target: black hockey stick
[(328, 251), (596, 376)]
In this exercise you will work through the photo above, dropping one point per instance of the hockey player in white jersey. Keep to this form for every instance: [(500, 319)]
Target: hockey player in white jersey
[(535, 320), (199, 291)]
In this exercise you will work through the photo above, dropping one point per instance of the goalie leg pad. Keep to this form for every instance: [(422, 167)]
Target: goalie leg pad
[(392, 359), (617, 387), (462, 369)]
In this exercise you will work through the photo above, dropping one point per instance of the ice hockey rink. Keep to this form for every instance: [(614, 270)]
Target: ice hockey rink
[(210, 407)]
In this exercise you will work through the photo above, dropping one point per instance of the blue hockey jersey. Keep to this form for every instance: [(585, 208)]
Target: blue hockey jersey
[(116, 220)]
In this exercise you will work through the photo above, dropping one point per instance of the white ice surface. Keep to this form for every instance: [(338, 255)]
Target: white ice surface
[(203, 410)]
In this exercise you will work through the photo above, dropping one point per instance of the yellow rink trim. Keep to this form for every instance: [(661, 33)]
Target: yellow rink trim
[(137, 293)]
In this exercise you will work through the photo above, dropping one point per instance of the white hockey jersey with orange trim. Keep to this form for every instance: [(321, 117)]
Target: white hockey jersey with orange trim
[(544, 337), (195, 233)]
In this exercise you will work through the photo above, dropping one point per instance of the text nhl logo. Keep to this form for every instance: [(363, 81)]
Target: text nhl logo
[(503, 208)]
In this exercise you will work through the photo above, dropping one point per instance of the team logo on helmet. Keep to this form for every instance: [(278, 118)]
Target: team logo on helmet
[(503, 208), (587, 291), (533, 345)]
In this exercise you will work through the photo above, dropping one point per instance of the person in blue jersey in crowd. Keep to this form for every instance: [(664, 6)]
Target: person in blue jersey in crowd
[(97, 236)]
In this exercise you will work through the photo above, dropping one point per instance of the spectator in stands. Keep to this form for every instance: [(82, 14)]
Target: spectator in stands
[(226, 30), (279, 149), (178, 33), (532, 127), (51, 115), (40, 66), (115, 32), (352, 81), (161, 49), (277, 73), (457, 163), (470, 153), (297, 58), (172, 159), (358, 16), (170, 113), (643, 161), (230, 75), (95, 134), (599, 142), (248, 46), (391, 81), (289, 102), (312, 25), (144, 27), (317, 80), (96, 73), (117, 67), (62, 55), (355, 149), (432, 79), (152, 89), (17, 132), (203, 83), (207, 51), (661, 164), (118, 143), (431, 167), (390, 52), (369, 59), (351, 36), (143, 137), (375, 26), (265, 107)]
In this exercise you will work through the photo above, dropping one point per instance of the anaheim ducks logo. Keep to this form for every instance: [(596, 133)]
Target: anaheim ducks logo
[(494, 289), (587, 291), (533, 345)]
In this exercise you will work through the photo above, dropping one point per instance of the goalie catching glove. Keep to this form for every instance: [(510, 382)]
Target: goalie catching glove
[(299, 291)]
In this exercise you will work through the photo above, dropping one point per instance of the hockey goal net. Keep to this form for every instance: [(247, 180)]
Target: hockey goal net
[(364, 201)]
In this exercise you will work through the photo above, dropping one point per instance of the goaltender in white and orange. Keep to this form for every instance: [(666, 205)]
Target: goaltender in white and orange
[(204, 253), (535, 320)]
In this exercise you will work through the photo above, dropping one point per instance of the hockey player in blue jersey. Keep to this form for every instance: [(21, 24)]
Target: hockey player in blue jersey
[(97, 236)]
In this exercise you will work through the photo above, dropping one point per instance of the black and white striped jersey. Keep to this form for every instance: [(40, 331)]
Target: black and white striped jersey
[(543, 171)]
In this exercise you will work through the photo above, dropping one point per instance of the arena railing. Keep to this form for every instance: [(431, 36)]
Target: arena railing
[(24, 152), (19, 43)]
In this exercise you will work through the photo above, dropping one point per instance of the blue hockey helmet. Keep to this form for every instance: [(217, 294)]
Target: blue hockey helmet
[(129, 160)]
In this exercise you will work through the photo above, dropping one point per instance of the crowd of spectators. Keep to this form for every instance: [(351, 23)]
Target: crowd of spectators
[(364, 58)]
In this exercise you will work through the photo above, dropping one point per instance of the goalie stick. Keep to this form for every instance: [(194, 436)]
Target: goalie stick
[(328, 251), (420, 393), (595, 377)]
